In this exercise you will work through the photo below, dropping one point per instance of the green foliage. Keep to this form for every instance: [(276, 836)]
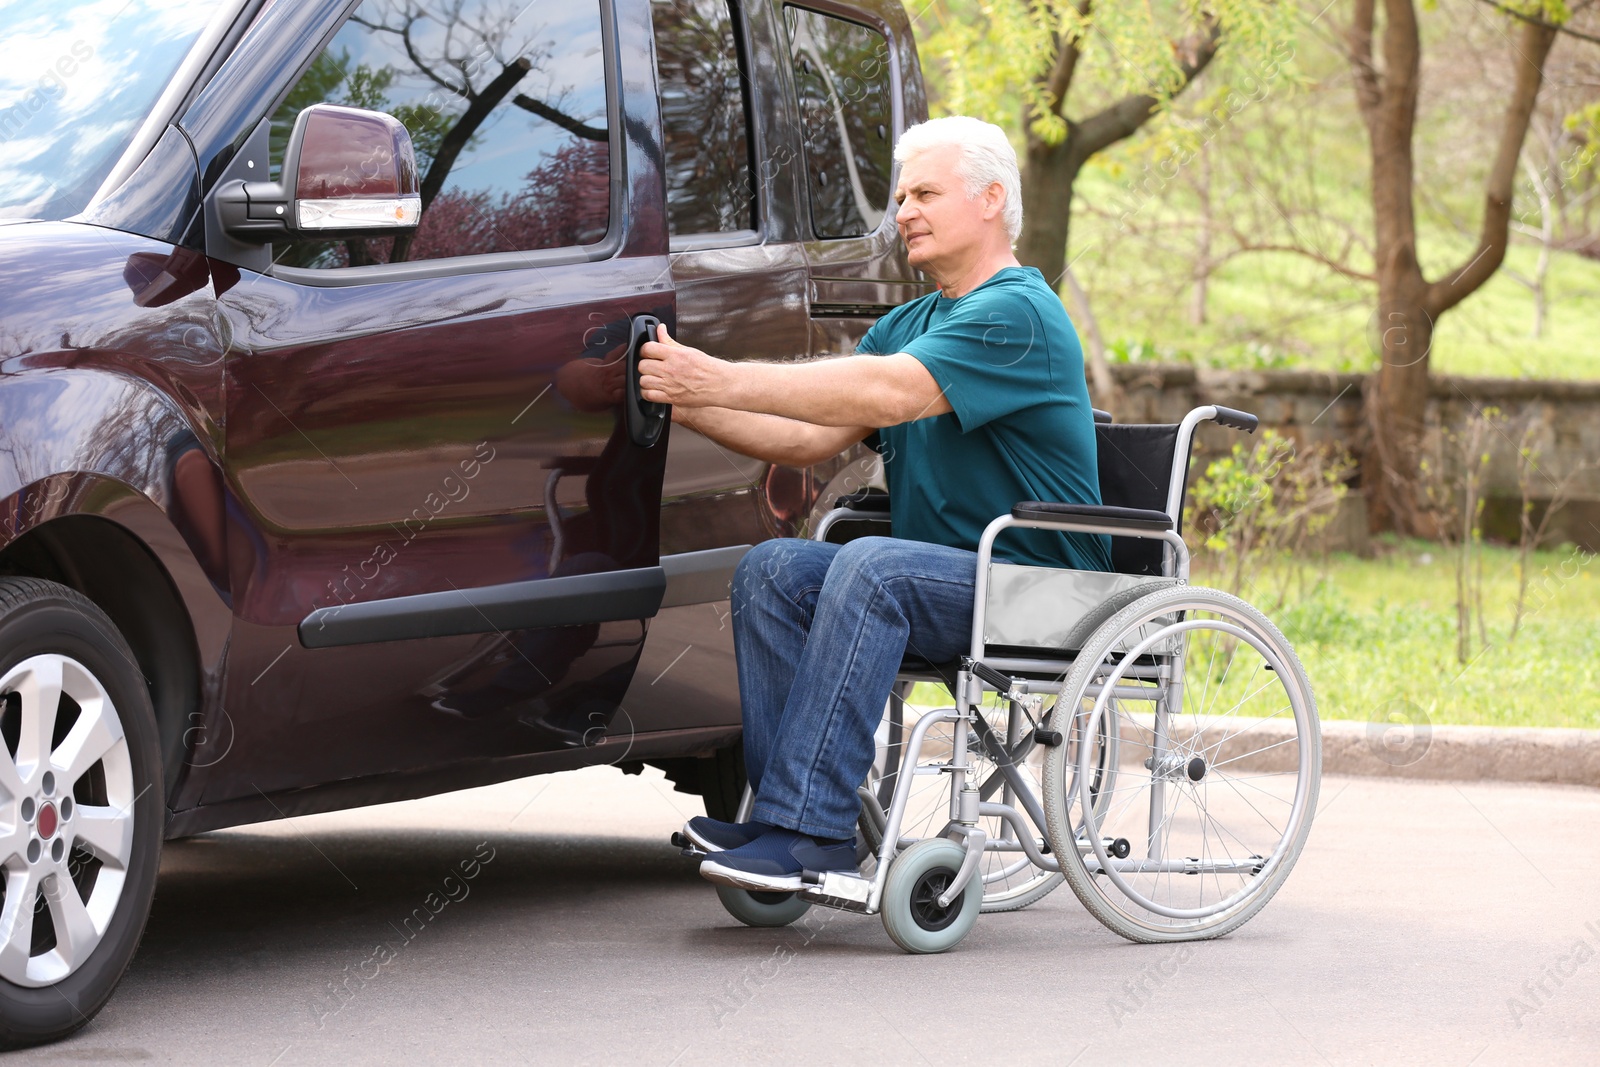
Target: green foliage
[(992, 58), (1383, 629), (1264, 502)]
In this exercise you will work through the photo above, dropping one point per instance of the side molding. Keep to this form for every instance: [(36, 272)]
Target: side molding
[(571, 600), (565, 601)]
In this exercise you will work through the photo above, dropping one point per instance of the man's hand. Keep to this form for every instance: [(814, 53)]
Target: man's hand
[(670, 373)]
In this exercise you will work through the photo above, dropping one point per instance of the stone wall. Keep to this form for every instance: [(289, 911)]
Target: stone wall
[(1314, 408)]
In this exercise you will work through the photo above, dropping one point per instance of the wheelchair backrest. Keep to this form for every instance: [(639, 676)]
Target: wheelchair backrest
[(1136, 472)]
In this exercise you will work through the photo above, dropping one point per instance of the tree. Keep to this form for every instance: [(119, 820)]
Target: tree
[(1116, 66), (1409, 304)]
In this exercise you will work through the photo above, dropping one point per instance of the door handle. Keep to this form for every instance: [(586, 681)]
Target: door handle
[(646, 419)]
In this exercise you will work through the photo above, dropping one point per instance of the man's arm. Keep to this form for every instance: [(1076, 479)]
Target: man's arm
[(849, 391), (772, 438)]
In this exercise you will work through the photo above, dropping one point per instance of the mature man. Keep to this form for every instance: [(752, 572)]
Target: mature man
[(975, 397)]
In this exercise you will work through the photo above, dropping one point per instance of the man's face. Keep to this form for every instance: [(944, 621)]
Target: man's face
[(937, 221)]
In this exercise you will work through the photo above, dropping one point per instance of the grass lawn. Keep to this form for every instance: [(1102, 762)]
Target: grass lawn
[(1375, 631)]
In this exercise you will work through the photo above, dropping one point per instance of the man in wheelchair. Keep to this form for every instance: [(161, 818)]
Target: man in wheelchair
[(975, 396)]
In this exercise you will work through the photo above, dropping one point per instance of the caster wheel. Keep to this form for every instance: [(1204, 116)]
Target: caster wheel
[(911, 911), (762, 909)]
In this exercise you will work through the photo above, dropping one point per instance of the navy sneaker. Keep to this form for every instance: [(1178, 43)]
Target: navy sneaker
[(773, 861), (714, 835)]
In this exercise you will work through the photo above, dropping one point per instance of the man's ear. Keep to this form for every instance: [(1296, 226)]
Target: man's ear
[(994, 200)]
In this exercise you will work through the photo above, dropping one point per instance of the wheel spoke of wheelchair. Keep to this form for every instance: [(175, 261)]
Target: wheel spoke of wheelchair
[(1200, 723), (1217, 748), (1295, 739)]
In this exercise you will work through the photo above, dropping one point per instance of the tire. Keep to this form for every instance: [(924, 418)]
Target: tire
[(762, 909), (80, 779), (722, 782), (1230, 783), (911, 913)]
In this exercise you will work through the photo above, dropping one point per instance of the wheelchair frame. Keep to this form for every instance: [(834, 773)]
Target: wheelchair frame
[(981, 672)]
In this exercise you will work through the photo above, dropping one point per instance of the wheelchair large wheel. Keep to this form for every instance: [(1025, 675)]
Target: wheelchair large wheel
[(1009, 878), (1219, 767)]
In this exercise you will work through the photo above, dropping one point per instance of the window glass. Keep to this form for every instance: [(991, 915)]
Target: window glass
[(505, 101), (841, 75), (704, 118), (76, 80)]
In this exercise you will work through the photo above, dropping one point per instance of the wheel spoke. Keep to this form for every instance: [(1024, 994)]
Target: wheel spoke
[(16, 924), (11, 777), (93, 735), (39, 687), (76, 936), (105, 831)]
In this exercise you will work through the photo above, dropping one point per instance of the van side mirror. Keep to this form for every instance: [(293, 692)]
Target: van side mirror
[(347, 172)]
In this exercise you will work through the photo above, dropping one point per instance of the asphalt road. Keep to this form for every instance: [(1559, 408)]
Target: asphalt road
[(1427, 923)]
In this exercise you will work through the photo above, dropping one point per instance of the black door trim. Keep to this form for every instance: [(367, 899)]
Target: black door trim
[(566, 601)]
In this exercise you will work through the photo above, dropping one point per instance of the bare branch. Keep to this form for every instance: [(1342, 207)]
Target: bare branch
[(1534, 20), (1311, 254), (1534, 46), (1059, 82), (560, 118), (1123, 118)]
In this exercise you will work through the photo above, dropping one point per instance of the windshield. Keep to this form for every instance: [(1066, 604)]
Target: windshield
[(76, 80)]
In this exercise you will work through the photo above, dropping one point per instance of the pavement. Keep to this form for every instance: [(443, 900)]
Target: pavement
[(548, 921)]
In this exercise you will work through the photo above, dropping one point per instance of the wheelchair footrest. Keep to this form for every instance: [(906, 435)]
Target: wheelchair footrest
[(687, 847), (837, 890)]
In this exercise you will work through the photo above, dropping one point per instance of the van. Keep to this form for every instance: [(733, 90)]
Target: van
[(324, 473)]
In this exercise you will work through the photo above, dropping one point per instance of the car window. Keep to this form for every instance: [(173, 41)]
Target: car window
[(841, 76), (704, 117), (505, 101)]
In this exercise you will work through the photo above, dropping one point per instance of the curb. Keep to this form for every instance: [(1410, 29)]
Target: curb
[(1424, 751), (1464, 753)]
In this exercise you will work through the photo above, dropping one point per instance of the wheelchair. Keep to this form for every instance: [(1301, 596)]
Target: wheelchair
[(1153, 744)]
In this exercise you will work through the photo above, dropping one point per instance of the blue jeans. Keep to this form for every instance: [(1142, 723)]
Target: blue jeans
[(818, 632)]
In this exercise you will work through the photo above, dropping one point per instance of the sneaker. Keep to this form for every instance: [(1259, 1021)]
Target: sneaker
[(774, 861), (714, 835)]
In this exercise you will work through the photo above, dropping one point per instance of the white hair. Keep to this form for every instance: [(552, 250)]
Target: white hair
[(986, 157)]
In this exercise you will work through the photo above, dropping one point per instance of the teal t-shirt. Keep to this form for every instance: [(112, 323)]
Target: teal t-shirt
[(1021, 427)]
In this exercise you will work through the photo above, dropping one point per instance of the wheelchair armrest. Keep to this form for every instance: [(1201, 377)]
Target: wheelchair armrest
[(875, 500), (1101, 417), (1094, 515)]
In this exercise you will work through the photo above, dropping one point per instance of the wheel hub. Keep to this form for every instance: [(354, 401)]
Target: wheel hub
[(925, 907), (47, 820)]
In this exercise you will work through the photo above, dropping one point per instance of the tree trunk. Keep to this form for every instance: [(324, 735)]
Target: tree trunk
[(1048, 172), (1408, 304)]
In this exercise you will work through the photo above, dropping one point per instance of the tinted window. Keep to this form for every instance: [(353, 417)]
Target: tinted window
[(506, 104), (703, 117), (841, 74)]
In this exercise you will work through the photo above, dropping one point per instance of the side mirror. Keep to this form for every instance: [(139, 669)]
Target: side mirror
[(347, 172)]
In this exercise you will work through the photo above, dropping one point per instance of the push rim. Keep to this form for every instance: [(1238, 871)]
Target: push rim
[(66, 818)]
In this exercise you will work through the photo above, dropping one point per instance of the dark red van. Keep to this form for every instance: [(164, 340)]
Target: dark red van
[(322, 475)]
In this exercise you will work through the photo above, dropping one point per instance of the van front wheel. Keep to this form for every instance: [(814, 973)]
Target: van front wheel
[(80, 810)]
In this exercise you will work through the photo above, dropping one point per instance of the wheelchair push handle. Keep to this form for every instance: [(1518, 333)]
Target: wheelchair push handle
[(1236, 419)]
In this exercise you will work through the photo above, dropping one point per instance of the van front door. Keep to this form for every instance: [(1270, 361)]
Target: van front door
[(445, 538)]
